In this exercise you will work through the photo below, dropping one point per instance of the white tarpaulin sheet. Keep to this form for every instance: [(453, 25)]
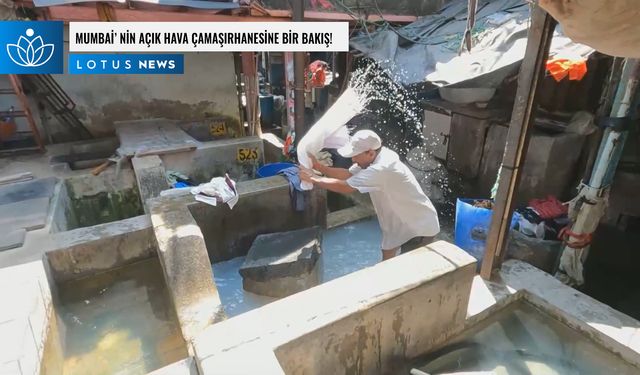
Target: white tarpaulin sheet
[(499, 40)]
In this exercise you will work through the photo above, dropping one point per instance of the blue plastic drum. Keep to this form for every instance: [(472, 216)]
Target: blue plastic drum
[(269, 170), (472, 227)]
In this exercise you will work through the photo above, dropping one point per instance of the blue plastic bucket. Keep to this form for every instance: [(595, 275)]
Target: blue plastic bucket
[(272, 169), (472, 227)]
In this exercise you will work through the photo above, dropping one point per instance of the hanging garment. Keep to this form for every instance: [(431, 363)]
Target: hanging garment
[(295, 190)]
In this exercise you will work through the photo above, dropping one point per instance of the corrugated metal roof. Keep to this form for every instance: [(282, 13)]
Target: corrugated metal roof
[(196, 4)]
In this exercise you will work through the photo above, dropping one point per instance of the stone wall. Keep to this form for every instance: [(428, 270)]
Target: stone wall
[(101, 199), (549, 166), (215, 158), (367, 322), (25, 319), (206, 89), (264, 207), (86, 251)]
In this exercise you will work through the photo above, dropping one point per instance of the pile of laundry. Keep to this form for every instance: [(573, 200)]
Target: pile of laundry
[(218, 190), (543, 219)]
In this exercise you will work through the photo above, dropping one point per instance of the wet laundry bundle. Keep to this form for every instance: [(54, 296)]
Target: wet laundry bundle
[(218, 190)]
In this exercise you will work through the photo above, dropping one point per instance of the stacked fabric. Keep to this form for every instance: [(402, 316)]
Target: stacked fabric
[(218, 190)]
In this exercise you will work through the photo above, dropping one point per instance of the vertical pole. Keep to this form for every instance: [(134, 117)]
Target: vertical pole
[(249, 68), (237, 62), (529, 78), (289, 77), (298, 66)]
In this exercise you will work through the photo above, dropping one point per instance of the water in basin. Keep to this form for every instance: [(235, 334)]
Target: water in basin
[(119, 322), (522, 340), (346, 249)]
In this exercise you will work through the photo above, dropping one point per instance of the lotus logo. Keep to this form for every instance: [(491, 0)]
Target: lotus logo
[(30, 52)]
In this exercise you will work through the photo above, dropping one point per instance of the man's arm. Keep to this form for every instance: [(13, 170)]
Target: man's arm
[(339, 173), (332, 172), (333, 184)]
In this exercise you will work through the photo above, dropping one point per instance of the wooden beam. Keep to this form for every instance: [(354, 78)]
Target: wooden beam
[(88, 13), (71, 13), (311, 15), (530, 76), (250, 74)]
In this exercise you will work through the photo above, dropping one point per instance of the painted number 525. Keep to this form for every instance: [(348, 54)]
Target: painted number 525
[(247, 154)]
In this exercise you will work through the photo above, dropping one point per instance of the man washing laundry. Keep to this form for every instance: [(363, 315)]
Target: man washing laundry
[(406, 215)]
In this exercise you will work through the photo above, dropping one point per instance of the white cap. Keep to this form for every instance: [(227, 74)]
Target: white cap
[(362, 141)]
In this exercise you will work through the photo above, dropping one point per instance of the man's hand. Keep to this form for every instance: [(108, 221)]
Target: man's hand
[(315, 164), (305, 174)]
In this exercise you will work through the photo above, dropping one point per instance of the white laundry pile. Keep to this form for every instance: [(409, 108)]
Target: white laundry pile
[(218, 190)]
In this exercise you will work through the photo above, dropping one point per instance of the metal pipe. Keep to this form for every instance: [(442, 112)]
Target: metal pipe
[(592, 198), (298, 80), (604, 107), (613, 140)]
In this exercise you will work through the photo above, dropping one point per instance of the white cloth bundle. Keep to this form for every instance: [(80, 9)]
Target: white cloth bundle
[(219, 189), (330, 131)]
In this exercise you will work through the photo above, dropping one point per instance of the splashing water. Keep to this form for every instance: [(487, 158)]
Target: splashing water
[(395, 113), (374, 99)]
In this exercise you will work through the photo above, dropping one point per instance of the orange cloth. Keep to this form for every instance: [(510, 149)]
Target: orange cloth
[(560, 68)]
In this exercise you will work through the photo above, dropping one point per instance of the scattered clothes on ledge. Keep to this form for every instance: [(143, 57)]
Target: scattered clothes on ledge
[(218, 190)]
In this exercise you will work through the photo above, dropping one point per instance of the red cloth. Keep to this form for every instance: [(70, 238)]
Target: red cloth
[(548, 208), (316, 74)]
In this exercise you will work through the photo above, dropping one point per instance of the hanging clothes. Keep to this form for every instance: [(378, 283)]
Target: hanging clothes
[(559, 68), (292, 174)]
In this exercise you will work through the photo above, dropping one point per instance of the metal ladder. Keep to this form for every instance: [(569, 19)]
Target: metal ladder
[(18, 91), (57, 102)]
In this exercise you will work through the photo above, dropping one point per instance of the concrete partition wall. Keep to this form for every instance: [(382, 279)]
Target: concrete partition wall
[(215, 158), (93, 200), (190, 234), (28, 344), (185, 264), (368, 322), (264, 207), (87, 251)]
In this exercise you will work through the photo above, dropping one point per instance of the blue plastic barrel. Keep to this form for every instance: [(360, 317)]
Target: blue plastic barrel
[(472, 227), (272, 169)]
